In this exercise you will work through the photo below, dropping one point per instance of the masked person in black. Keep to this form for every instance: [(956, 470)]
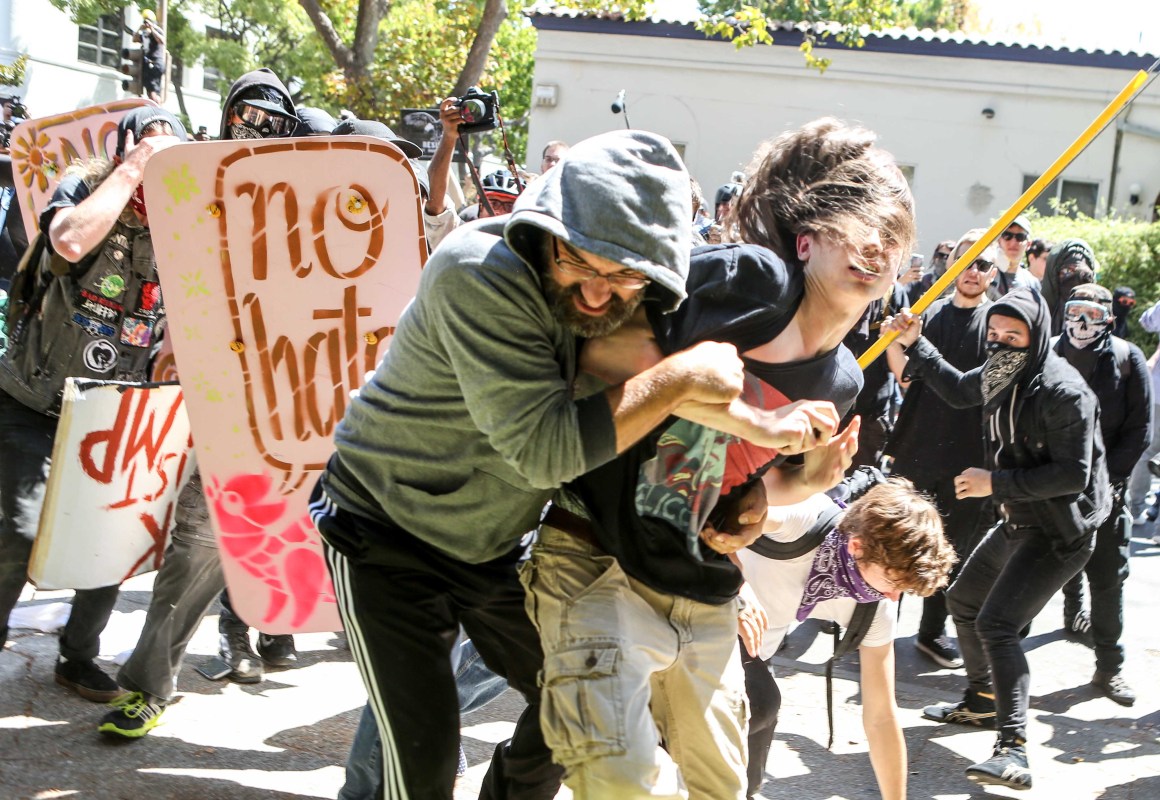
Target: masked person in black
[(1047, 478), (1123, 301), (1118, 374), (1069, 264)]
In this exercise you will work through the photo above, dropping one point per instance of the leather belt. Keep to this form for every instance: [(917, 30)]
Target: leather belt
[(572, 524)]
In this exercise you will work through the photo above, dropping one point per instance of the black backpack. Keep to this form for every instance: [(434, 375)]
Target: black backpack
[(853, 487), (39, 265)]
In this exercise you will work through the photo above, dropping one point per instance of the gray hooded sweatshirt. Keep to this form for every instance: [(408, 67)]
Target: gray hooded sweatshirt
[(469, 423)]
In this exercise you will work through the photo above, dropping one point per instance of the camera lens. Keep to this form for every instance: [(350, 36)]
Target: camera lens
[(473, 111)]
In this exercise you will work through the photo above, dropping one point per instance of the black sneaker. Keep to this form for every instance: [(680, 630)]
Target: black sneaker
[(235, 649), (1007, 766), (1114, 687), (942, 651), (277, 651), (976, 709), (87, 679), (133, 715)]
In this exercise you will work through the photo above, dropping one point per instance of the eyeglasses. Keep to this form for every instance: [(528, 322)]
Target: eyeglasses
[(1127, 302), (261, 118), (582, 273), (979, 265), (1007, 236), (1093, 313)]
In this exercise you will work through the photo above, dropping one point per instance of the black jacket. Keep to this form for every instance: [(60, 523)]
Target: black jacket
[(1124, 393), (1042, 438)]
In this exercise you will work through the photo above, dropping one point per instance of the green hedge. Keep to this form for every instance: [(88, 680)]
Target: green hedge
[(1128, 253)]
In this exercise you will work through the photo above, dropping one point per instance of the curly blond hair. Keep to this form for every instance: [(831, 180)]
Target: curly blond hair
[(901, 530)]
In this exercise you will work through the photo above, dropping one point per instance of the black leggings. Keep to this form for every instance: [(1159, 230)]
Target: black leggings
[(764, 705)]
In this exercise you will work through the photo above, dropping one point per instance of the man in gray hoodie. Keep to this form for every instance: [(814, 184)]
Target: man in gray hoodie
[(448, 455)]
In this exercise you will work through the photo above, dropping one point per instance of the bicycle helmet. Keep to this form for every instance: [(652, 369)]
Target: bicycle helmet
[(501, 183)]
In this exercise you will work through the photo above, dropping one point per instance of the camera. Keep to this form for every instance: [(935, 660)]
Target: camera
[(19, 114), (478, 110)]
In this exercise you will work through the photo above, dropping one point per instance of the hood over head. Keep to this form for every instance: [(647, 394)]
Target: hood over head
[(275, 98), (623, 196), (1063, 253), (140, 118), (1029, 306)]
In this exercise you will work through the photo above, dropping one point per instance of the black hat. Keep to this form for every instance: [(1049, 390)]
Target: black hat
[(370, 127), (140, 118)]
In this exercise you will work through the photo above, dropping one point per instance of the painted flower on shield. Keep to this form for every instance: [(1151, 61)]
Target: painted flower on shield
[(34, 160), (245, 507)]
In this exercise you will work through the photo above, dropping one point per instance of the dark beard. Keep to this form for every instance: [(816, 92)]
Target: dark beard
[(561, 301)]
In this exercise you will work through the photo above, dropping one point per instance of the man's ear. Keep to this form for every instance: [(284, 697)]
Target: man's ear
[(803, 245)]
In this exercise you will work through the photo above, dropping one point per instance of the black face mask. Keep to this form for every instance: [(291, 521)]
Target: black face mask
[(1003, 367)]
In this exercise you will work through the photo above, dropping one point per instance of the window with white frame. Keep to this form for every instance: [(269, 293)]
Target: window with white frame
[(101, 42), (1073, 196)]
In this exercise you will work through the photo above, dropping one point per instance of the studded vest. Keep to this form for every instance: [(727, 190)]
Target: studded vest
[(99, 320)]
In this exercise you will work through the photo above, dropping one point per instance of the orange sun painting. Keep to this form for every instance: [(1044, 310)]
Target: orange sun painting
[(34, 160)]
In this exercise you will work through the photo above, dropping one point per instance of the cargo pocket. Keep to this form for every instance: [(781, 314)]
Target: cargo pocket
[(583, 710)]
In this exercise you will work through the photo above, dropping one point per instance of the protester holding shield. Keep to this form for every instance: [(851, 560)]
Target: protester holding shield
[(94, 280)]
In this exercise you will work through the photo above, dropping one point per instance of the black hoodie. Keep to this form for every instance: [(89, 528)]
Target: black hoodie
[(259, 77), (1041, 435)]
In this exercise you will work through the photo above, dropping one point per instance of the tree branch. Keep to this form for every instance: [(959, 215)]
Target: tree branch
[(366, 32), (494, 14), (343, 56)]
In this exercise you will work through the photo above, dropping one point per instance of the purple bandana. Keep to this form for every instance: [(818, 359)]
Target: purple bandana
[(834, 574)]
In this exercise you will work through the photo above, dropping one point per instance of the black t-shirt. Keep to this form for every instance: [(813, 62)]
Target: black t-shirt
[(932, 440), (648, 505)]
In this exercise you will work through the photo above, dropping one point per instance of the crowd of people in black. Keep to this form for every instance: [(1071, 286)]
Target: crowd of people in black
[(621, 444)]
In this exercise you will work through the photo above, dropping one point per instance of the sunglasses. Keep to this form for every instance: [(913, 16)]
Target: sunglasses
[(583, 274), (260, 118), (1127, 301), (1007, 236), (979, 265), (1093, 313), (940, 256)]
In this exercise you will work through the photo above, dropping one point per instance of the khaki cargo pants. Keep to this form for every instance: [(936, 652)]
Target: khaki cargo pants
[(643, 692)]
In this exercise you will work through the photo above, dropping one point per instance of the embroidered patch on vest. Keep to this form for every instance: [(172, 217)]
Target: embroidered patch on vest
[(100, 355), (150, 298), (136, 332), (94, 327), (112, 286), (99, 307)]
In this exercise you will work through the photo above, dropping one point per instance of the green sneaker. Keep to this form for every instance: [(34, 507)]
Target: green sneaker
[(133, 716)]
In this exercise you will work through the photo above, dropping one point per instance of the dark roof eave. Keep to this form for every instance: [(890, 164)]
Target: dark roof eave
[(903, 45)]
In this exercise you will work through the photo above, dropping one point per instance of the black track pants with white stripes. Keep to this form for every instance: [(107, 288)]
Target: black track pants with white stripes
[(402, 602)]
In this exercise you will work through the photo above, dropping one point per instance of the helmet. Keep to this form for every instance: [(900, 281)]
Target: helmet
[(500, 182), (149, 15)]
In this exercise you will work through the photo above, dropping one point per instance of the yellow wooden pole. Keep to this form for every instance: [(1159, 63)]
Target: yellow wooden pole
[(1126, 95)]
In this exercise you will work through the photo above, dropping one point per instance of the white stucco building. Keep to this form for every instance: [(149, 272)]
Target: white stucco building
[(973, 121), (71, 66)]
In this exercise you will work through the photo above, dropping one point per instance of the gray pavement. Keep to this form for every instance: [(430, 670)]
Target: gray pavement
[(288, 736)]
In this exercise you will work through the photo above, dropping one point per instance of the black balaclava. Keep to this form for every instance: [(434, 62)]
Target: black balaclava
[(1123, 301), (1008, 366)]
